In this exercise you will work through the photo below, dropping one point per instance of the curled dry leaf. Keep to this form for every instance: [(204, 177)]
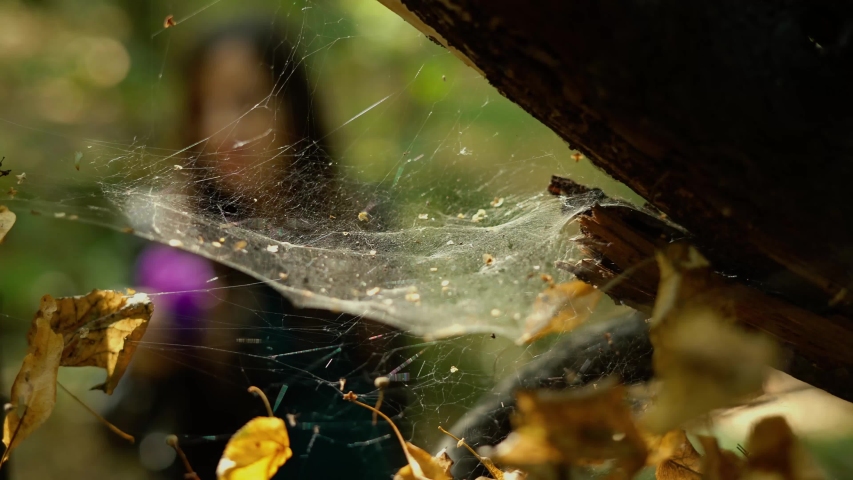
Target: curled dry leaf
[(423, 466), (34, 390), (560, 308), (256, 451), (702, 360), (7, 219), (589, 425), (100, 329), (774, 452)]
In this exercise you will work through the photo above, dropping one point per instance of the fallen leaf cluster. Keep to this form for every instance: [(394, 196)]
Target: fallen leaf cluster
[(593, 426), (702, 361)]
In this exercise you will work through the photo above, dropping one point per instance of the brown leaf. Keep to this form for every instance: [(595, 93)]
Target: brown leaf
[(100, 329), (592, 424), (7, 219), (773, 449), (560, 308), (34, 390), (701, 359), (719, 464), (674, 457), (423, 466)]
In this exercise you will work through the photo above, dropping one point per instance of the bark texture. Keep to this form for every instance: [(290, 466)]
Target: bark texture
[(619, 240)]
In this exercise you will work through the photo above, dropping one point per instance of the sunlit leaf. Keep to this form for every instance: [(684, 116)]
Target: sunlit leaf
[(101, 329), (585, 426), (7, 219), (560, 308), (256, 451), (34, 389), (702, 360), (423, 466)]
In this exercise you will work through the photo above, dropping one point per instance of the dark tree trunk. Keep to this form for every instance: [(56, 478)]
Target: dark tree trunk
[(733, 118)]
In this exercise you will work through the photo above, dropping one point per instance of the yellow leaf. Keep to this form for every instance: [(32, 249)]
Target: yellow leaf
[(7, 219), (423, 466), (702, 360), (101, 329), (34, 389), (256, 451), (773, 449), (560, 308), (589, 425)]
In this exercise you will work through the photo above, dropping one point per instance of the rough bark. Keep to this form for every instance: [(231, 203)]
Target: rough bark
[(731, 118), (619, 241)]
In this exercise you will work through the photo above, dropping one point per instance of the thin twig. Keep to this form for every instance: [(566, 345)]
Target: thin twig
[(254, 389), (351, 397), (172, 441), (103, 420), (460, 442)]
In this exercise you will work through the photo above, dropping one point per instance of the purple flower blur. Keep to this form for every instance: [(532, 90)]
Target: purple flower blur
[(165, 269)]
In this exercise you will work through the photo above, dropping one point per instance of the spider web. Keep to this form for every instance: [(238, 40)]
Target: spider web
[(420, 219)]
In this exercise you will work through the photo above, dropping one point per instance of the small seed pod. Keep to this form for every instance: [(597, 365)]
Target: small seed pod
[(382, 382)]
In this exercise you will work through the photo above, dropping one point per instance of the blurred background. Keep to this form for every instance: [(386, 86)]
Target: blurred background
[(95, 84)]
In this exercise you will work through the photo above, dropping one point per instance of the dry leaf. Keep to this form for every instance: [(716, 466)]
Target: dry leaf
[(560, 308), (34, 390), (256, 451), (674, 457), (773, 449), (423, 466), (7, 219), (702, 360), (100, 329), (719, 464), (592, 424)]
